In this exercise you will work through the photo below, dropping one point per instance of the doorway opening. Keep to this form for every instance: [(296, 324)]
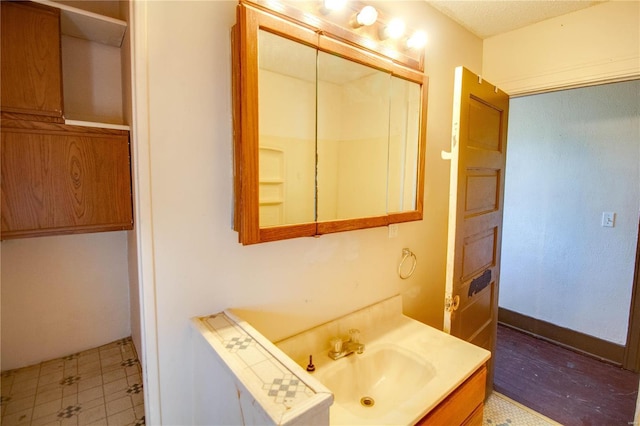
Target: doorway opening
[(567, 276)]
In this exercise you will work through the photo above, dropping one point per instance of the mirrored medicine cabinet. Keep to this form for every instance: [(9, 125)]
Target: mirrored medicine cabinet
[(329, 135)]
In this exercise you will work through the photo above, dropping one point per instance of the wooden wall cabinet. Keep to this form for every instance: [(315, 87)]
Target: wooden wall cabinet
[(59, 179), (464, 406), (31, 60), (56, 178)]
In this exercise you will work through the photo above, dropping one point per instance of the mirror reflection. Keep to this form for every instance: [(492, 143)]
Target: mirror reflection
[(404, 136), (337, 139), (287, 129), (353, 130)]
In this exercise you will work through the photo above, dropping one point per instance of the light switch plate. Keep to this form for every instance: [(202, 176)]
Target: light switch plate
[(608, 219), (393, 230)]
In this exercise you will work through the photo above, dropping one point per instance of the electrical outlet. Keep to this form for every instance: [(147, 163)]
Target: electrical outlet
[(393, 230), (608, 219)]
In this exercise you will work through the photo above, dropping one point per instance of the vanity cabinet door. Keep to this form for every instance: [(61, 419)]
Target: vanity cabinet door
[(464, 406), (31, 71), (64, 182)]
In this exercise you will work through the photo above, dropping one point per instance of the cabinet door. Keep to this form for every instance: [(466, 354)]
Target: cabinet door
[(55, 183), (31, 80), (464, 406)]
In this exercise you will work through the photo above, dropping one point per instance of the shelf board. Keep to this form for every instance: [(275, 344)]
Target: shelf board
[(95, 124), (87, 25)]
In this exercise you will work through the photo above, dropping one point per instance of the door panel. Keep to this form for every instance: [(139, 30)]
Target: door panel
[(478, 253), (482, 191), (475, 211), (474, 314), (484, 125)]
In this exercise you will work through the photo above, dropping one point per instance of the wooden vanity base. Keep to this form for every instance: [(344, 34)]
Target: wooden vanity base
[(464, 406)]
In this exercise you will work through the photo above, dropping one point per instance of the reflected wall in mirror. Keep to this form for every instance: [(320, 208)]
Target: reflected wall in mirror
[(353, 132), (404, 138), (287, 129), (328, 137)]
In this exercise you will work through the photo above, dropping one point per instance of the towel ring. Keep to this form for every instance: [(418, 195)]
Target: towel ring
[(405, 254)]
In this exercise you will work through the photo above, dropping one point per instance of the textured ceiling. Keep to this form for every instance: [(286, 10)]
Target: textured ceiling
[(491, 17)]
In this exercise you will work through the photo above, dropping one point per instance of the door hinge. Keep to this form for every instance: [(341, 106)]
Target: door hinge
[(451, 303)]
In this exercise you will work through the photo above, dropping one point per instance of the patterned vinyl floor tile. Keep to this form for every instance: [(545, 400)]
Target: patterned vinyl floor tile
[(100, 386), (502, 411)]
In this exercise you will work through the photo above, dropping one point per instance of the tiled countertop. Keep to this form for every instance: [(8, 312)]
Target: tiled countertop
[(278, 384)]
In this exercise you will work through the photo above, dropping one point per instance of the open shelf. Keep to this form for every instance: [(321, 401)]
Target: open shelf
[(87, 25), (95, 124), (92, 46)]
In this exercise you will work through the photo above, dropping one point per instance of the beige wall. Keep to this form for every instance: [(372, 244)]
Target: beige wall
[(287, 141), (198, 265), (62, 295), (92, 81), (593, 45)]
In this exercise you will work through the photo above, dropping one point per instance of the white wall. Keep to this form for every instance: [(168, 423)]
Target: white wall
[(596, 44), (572, 155), (61, 295), (183, 69)]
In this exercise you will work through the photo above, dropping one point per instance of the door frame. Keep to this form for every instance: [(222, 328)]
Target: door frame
[(631, 359)]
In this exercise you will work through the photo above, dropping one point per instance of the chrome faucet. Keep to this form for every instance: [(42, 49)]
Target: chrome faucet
[(340, 348)]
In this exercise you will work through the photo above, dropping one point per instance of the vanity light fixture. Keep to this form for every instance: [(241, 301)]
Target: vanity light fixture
[(417, 40), (394, 29), (367, 16)]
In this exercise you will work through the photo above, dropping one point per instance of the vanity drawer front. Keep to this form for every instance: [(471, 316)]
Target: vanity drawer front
[(475, 419), (463, 406)]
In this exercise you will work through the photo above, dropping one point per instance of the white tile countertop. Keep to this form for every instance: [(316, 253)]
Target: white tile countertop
[(284, 391)]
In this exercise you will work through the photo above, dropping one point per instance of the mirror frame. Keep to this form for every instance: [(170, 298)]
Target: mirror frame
[(302, 27)]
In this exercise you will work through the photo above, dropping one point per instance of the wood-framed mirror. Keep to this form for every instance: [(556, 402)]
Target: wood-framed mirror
[(329, 136)]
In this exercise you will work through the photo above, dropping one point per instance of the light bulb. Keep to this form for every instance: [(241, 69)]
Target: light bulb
[(333, 4), (417, 40), (395, 28), (367, 16)]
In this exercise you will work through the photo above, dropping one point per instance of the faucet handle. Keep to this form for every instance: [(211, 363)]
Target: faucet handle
[(336, 345), (354, 335)]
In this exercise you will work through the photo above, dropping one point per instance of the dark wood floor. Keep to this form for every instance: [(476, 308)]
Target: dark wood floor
[(568, 387)]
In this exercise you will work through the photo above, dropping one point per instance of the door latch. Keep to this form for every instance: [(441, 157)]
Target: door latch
[(452, 303)]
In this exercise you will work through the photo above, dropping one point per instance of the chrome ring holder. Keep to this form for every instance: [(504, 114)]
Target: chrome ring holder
[(406, 253)]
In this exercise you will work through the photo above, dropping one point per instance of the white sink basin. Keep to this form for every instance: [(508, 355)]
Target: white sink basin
[(406, 370), (372, 384)]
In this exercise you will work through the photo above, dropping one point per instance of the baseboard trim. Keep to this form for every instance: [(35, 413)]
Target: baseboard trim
[(570, 339)]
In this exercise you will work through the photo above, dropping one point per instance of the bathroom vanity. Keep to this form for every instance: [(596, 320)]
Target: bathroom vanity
[(407, 373)]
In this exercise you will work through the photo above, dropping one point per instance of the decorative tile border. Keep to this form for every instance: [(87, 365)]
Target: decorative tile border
[(276, 382)]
